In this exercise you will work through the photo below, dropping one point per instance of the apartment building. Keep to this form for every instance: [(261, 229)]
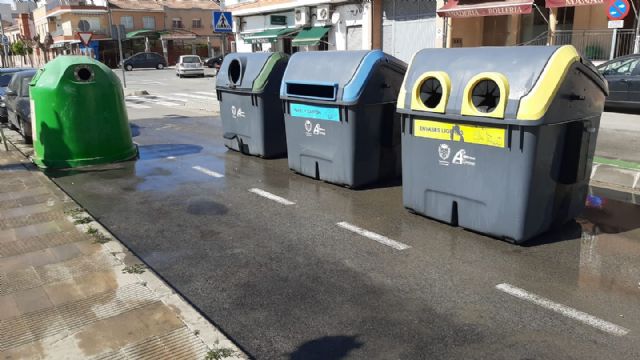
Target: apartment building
[(63, 19)]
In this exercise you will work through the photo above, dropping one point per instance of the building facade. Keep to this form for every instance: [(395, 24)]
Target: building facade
[(303, 25)]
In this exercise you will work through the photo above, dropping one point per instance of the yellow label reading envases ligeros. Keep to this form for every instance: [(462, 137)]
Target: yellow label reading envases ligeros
[(470, 134)]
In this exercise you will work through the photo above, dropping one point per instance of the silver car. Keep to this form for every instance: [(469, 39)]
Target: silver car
[(189, 65)]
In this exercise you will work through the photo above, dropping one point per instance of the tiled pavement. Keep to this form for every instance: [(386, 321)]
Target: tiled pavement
[(67, 293)]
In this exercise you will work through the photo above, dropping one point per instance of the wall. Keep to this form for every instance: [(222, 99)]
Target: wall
[(350, 15), (468, 29), (137, 18), (5, 12), (69, 23), (187, 15), (593, 17)]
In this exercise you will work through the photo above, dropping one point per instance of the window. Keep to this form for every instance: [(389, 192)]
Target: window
[(149, 22), (196, 23), (24, 90), (5, 78), (177, 23), (127, 21), (620, 67)]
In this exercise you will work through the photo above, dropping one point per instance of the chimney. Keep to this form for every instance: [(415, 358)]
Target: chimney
[(23, 21)]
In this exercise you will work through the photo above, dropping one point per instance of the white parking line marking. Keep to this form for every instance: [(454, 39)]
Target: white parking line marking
[(155, 101), (200, 97), (208, 93), (137, 106), (271, 196), (170, 158), (208, 172), (563, 310), (373, 236)]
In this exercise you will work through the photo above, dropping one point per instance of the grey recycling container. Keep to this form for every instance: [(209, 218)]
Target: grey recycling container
[(248, 89), (499, 140), (340, 115)]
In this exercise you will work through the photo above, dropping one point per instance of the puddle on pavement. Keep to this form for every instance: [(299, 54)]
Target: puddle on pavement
[(206, 207), (161, 151)]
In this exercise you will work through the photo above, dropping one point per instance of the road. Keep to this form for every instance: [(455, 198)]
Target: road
[(290, 267)]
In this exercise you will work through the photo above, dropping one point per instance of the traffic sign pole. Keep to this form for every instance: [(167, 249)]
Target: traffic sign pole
[(617, 10)]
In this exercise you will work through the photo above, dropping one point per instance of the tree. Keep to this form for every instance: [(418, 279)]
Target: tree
[(19, 48), (44, 45)]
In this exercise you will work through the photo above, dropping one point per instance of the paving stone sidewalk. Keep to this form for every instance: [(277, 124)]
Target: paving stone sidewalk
[(69, 290)]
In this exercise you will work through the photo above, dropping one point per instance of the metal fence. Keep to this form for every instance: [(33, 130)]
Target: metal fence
[(595, 45)]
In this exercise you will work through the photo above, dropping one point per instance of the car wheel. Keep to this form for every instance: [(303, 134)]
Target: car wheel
[(128, 67), (160, 66)]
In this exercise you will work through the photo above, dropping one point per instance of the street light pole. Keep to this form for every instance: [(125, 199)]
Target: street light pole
[(4, 44), (223, 35), (119, 36)]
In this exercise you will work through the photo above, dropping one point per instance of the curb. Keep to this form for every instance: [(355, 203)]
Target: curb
[(615, 173)]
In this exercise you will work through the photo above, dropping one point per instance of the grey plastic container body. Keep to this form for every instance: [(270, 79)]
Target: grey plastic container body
[(538, 180), (340, 116), (250, 109)]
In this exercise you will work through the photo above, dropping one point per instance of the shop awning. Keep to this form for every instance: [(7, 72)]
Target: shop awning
[(143, 33), (310, 36), (477, 8), (270, 35), (569, 3)]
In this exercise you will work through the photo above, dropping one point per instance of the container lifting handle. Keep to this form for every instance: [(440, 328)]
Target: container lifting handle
[(574, 97), (229, 136)]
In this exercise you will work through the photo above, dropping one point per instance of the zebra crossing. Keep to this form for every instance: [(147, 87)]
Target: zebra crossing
[(173, 100)]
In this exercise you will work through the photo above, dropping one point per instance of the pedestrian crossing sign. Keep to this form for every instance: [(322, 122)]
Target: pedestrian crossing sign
[(222, 21)]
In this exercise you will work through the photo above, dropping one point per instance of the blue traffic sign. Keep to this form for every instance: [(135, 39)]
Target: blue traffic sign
[(222, 21), (618, 9)]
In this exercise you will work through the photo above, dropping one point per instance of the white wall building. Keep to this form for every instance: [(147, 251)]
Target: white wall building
[(302, 25)]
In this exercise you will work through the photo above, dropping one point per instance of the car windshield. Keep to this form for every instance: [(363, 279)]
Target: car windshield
[(191, 60), (5, 78)]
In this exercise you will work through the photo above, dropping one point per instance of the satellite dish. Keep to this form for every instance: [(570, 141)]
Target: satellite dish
[(335, 17), (84, 25)]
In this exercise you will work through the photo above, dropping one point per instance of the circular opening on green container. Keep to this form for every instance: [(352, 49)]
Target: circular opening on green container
[(83, 73), (235, 69), (431, 92), (485, 95)]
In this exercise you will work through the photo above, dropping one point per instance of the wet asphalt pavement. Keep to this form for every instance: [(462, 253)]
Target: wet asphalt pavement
[(287, 282)]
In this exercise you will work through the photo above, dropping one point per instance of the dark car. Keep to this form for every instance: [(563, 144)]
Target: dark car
[(623, 76), (145, 60), (18, 102), (5, 77), (214, 62)]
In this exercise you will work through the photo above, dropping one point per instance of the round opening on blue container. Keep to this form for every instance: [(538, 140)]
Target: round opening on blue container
[(431, 92), (485, 95), (235, 70)]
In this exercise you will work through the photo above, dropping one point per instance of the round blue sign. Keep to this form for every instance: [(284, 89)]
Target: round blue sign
[(618, 9)]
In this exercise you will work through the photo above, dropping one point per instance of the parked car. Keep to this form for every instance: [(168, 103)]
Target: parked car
[(189, 65), (18, 103), (5, 78), (145, 60), (623, 76), (214, 62)]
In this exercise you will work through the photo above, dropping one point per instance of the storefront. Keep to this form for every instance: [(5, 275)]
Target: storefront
[(582, 23)]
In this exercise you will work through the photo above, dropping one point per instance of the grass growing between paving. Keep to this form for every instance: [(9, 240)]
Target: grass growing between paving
[(134, 269), (219, 354)]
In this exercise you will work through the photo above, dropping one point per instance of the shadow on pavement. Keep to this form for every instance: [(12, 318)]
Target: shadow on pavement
[(327, 348)]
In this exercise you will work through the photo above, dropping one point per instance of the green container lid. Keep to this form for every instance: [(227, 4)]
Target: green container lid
[(78, 115)]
